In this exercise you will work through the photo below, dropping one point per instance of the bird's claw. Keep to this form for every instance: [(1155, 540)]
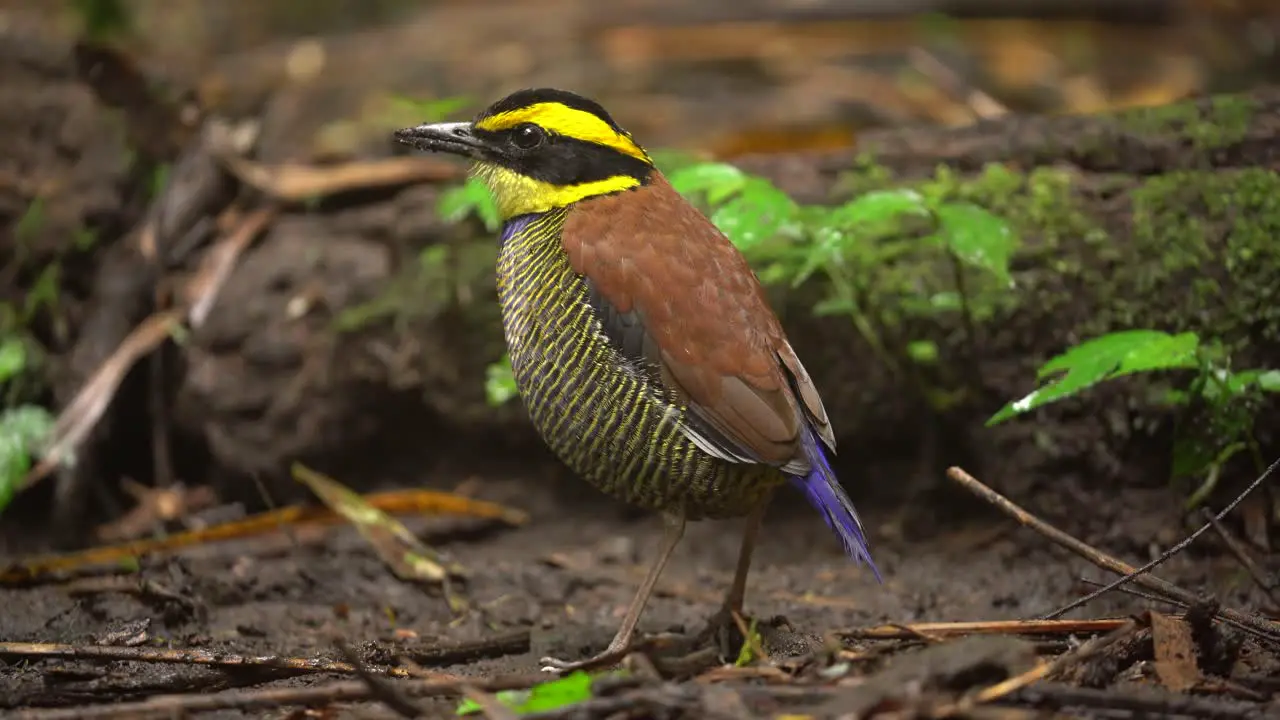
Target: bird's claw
[(611, 656), (557, 666)]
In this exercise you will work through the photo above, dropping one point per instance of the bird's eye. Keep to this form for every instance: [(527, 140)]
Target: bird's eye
[(528, 136)]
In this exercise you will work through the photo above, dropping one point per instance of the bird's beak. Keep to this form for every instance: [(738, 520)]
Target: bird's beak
[(451, 137)]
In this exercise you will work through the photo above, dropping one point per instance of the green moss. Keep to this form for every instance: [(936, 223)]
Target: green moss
[(1225, 122), (1199, 251), (1185, 224), (1043, 207), (458, 275)]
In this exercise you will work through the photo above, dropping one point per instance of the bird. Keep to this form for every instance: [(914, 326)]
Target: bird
[(641, 342)]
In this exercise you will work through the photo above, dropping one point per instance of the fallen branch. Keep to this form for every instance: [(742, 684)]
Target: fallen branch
[(1041, 670), (215, 267), (168, 706), (379, 687), (32, 570), (79, 417), (1246, 561), (1245, 621), (994, 627), (294, 182), (1145, 703), (192, 656)]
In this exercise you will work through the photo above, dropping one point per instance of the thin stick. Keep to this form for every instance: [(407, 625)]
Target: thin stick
[(1139, 594), (1250, 566), (1256, 625), (190, 656), (168, 706), (1040, 671), (938, 630), (1055, 696), (489, 705), (379, 686), (1142, 577)]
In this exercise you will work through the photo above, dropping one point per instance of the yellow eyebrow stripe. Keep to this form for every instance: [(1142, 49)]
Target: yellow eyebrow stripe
[(563, 120)]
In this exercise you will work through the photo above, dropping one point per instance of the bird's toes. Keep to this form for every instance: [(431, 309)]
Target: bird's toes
[(555, 665), (722, 633)]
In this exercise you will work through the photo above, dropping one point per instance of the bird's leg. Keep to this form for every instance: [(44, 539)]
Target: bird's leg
[(674, 530), (722, 625), (738, 590)]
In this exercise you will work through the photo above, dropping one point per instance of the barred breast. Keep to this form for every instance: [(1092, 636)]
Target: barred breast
[(605, 419)]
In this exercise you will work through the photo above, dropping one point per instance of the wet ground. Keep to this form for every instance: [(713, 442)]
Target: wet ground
[(559, 584)]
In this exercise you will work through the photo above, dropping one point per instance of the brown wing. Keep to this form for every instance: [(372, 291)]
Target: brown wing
[(670, 288)]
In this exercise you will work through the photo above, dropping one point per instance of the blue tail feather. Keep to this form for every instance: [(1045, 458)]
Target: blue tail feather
[(826, 494)]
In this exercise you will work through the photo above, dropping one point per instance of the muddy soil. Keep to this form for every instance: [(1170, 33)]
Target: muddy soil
[(555, 586), (565, 579)]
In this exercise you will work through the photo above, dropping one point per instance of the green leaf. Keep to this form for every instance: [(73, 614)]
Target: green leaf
[(834, 306), (430, 110), (1105, 358), (924, 352), (1236, 383), (13, 358), (978, 237), (572, 688), (473, 196), (32, 222), (499, 382), (1270, 381), (716, 180), (670, 162), (102, 20), (756, 214), (22, 429), (872, 213), (945, 301)]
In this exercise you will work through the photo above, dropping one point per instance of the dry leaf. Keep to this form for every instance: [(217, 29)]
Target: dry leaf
[(1175, 652)]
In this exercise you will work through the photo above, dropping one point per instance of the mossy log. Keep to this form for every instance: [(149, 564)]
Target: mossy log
[(1163, 218)]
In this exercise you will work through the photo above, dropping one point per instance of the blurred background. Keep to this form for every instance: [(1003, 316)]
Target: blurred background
[(104, 97), (229, 163), (722, 76)]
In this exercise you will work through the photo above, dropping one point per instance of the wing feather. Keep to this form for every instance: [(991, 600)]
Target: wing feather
[(680, 303)]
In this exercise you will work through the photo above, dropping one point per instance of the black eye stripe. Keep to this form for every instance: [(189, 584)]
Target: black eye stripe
[(560, 159), (527, 136)]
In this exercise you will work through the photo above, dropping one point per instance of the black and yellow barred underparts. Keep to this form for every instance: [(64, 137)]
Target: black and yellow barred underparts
[(607, 419)]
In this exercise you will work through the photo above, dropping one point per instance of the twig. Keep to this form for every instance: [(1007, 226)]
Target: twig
[(191, 656), (158, 404), (1054, 696), (1259, 626), (458, 653), (1139, 594), (666, 700), (489, 704), (167, 706), (296, 182), (379, 687), (979, 103), (994, 627), (1233, 545), (29, 570), (750, 639), (1255, 625), (80, 415), (1040, 671), (202, 291)]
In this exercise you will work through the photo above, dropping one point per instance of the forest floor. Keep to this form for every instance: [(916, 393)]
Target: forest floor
[(265, 613), (255, 626)]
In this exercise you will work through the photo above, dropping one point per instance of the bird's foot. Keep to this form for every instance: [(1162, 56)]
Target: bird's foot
[(723, 633), (610, 656)]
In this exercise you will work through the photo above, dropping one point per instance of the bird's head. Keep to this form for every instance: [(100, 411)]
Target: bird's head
[(540, 149)]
